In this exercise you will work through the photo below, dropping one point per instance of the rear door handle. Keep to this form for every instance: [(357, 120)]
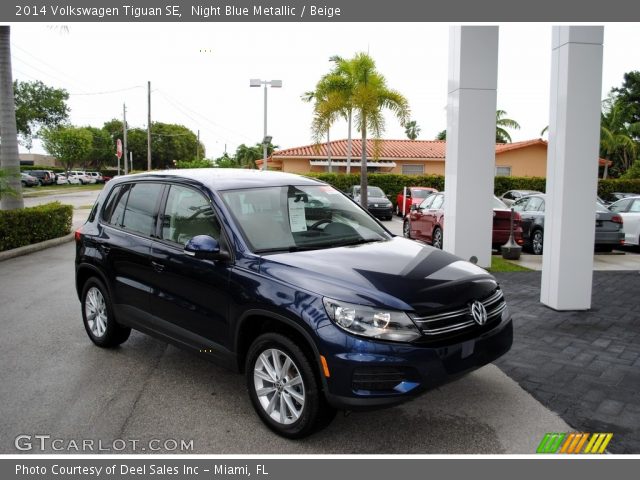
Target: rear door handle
[(158, 267)]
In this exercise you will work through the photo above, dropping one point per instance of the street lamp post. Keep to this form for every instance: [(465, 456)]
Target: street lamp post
[(256, 82)]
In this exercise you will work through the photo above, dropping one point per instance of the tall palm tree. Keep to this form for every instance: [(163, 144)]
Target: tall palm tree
[(502, 123), (412, 130), (9, 160), (370, 97)]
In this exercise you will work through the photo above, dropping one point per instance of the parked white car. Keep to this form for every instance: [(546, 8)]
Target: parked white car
[(97, 176), (81, 176), (62, 179), (629, 209)]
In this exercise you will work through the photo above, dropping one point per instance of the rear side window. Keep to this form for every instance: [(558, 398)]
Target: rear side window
[(437, 202), (114, 208), (140, 209)]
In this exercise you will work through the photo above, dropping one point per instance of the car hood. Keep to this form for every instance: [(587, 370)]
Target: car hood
[(398, 274)]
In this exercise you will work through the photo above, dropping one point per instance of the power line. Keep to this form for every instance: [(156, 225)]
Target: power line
[(109, 91)]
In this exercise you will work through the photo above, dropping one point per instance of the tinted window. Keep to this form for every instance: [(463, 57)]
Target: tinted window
[(508, 196), (139, 212), (116, 201), (187, 214)]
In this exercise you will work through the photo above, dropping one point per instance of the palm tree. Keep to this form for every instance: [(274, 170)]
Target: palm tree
[(9, 160), (616, 140), (412, 130), (332, 96), (502, 136)]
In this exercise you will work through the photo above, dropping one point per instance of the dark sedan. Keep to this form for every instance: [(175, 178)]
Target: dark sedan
[(609, 231), (426, 222), (377, 202)]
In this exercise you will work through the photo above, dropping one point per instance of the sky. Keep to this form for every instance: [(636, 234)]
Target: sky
[(199, 73)]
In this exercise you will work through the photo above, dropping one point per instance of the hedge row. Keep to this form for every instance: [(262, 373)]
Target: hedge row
[(41, 167), (35, 224), (391, 183)]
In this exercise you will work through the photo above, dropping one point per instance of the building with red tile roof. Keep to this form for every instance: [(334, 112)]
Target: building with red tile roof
[(410, 157)]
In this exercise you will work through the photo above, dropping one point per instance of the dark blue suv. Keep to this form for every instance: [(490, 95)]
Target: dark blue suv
[(288, 280)]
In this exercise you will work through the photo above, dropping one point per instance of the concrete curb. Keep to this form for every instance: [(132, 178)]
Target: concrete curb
[(35, 247)]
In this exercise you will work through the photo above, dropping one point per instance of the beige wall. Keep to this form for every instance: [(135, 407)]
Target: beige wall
[(38, 159), (525, 162)]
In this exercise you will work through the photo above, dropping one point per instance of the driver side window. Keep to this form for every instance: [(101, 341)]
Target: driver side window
[(187, 214), (520, 205)]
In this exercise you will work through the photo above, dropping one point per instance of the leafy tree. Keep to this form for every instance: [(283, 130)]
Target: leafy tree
[(225, 161), (102, 149), (442, 135), (616, 141), (38, 105), (502, 124), (9, 160), (246, 156), (629, 94), (70, 145), (412, 130), (195, 163), (633, 172)]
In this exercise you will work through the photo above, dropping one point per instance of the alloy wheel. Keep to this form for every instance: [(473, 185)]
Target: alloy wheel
[(96, 312), (406, 229), (437, 238), (279, 386), (537, 242)]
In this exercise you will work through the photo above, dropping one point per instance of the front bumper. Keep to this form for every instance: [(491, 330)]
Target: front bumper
[(381, 211), (367, 374)]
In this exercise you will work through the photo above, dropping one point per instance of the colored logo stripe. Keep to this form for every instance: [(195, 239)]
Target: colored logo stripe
[(574, 442)]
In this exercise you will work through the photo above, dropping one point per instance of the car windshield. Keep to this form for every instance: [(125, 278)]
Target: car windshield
[(296, 218), (421, 193), (499, 204), (371, 192)]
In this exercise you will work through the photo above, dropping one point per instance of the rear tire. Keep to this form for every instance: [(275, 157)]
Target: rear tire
[(283, 388), (436, 238), (97, 315)]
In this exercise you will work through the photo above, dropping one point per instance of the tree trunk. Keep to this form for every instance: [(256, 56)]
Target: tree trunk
[(9, 159), (363, 166), (349, 145), (328, 150)]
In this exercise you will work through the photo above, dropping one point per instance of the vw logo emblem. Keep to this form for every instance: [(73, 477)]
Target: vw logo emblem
[(479, 313)]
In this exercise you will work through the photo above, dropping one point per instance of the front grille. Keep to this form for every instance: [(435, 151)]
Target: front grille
[(461, 320), (378, 378)]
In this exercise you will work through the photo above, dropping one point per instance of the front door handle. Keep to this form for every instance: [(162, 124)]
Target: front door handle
[(104, 248), (158, 267)]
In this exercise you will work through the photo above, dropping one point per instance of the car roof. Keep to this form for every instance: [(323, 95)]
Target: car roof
[(226, 178)]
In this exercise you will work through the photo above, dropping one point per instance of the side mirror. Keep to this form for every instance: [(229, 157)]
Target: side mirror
[(414, 207), (205, 247)]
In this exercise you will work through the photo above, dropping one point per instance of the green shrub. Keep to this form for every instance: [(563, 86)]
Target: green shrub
[(605, 187), (26, 168), (35, 224)]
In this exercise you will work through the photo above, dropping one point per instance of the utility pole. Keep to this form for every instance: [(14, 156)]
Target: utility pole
[(148, 125), (124, 139), (198, 147)]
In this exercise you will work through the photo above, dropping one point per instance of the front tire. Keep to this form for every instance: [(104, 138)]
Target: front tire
[(97, 315), (283, 388)]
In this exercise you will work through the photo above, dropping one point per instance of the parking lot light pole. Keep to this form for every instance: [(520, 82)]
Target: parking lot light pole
[(256, 82)]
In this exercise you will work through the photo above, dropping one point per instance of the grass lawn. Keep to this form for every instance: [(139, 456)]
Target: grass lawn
[(499, 264), (58, 189)]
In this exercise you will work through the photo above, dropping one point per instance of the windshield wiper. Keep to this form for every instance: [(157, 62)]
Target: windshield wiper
[(292, 248), (360, 241)]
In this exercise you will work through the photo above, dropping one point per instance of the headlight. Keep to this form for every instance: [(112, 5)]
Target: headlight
[(371, 322)]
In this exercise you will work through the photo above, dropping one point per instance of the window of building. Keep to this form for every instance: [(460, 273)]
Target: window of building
[(413, 169), (502, 171)]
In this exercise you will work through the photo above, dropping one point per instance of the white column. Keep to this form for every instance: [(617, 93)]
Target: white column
[(471, 133), (572, 167)]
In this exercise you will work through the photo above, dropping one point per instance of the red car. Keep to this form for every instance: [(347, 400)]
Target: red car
[(426, 222), (415, 196)]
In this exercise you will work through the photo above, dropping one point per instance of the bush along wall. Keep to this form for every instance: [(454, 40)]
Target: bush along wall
[(34, 224), (392, 184)]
